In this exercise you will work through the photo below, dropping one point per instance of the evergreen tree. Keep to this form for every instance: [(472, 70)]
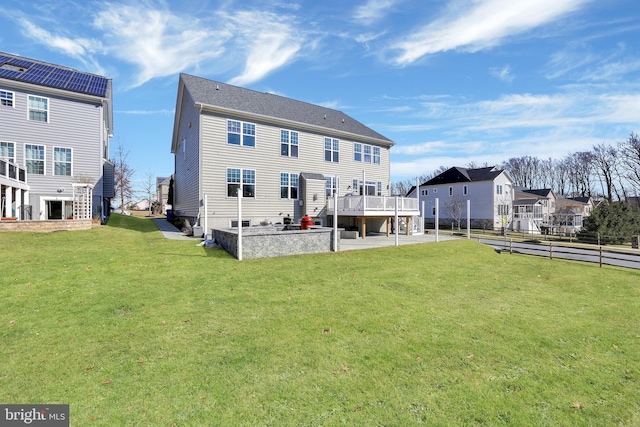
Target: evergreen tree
[(615, 223)]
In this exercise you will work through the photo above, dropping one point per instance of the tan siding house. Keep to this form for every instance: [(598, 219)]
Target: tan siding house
[(282, 154)]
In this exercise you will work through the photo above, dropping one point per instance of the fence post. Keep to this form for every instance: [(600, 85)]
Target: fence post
[(550, 250), (600, 256), (511, 246)]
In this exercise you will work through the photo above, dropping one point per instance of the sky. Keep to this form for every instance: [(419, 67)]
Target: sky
[(452, 83)]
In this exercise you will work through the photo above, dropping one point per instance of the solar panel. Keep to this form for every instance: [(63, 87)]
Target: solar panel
[(10, 74), (78, 82), (20, 62), (59, 77), (16, 68), (37, 73), (97, 86)]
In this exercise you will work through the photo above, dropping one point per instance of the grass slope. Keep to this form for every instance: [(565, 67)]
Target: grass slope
[(133, 329)]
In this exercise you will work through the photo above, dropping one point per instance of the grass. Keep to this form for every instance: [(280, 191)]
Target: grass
[(132, 329)]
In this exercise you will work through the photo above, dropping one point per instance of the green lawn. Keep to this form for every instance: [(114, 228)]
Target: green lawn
[(132, 329)]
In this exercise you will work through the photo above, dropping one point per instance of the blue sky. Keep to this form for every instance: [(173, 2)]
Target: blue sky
[(451, 82)]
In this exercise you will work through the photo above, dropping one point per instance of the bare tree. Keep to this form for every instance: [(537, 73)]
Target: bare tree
[(523, 170), (629, 151), (148, 186), (123, 174), (455, 207), (401, 188), (605, 160)]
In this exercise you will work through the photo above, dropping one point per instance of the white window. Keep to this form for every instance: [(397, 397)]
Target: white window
[(62, 161), (330, 185), (425, 192), (367, 154), (376, 155), (465, 190), (8, 151), (288, 185), (331, 150), (503, 210), (6, 98), (357, 152), (241, 180), (433, 211), (379, 192), (34, 158), (363, 153), (288, 143), (498, 189), (38, 109), (240, 133)]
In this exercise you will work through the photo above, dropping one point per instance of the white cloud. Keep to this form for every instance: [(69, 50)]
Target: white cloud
[(159, 42), (503, 73), (81, 49), (483, 25), (372, 11), (272, 41)]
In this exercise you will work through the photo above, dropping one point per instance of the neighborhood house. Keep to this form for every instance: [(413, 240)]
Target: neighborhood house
[(55, 125), (286, 158), (489, 190)]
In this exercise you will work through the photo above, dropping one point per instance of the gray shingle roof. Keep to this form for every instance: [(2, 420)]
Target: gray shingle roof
[(225, 96)]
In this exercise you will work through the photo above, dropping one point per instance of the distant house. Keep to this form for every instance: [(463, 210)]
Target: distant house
[(533, 210), (570, 213), (286, 158), (55, 125), (634, 201), (162, 192), (489, 190)]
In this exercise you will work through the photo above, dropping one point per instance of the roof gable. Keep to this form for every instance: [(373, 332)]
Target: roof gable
[(31, 71), (457, 174), (222, 96)]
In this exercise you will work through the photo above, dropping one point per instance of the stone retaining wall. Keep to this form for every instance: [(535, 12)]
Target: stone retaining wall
[(266, 242), (46, 226)]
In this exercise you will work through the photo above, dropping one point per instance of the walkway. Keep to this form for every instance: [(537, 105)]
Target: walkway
[(382, 240), (170, 231)]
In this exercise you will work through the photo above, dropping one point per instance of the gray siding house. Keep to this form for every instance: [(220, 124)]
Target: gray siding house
[(287, 158), (55, 125)]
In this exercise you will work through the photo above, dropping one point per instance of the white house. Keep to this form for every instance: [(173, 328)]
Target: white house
[(55, 125), (489, 191), (286, 157)]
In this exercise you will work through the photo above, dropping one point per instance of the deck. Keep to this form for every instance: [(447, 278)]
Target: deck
[(363, 207)]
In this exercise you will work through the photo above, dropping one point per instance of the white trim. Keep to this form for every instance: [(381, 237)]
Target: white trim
[(44, 160), (13, 160), (53, 167), (13, 98), (48, 110), (43, 206)]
